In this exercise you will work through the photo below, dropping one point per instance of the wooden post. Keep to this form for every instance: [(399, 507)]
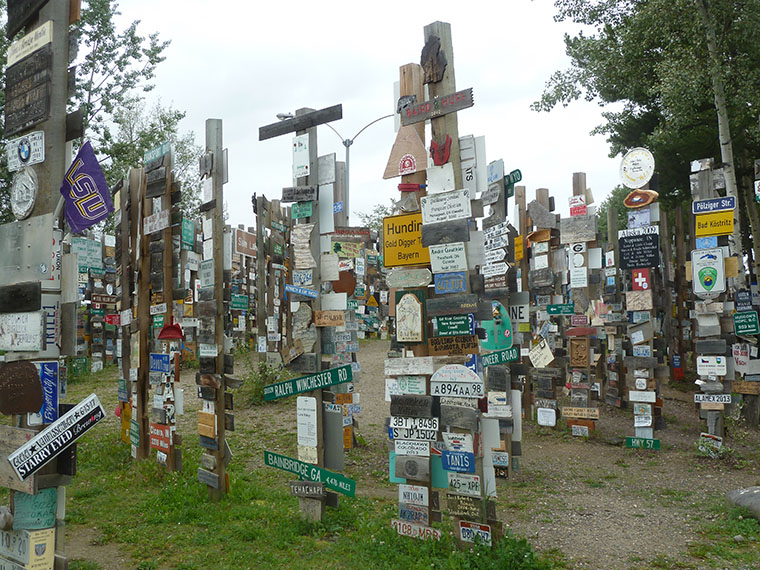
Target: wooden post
[(446, 124), (261, 275), (681, 286)]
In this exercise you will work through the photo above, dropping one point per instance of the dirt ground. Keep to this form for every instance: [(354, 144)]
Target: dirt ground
[(600, 504)]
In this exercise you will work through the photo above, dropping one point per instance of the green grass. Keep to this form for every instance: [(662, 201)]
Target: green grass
[(717, 544), (166, 520)]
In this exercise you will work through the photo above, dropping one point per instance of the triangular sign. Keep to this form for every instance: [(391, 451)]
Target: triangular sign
[(408, 154)]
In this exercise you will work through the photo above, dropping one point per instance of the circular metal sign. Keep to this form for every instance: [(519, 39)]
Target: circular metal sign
[(24, 189), (636, 168)]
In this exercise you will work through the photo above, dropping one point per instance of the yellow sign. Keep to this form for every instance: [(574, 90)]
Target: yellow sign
[(715, 224), (518, 248), (402, 241), (372, 302)]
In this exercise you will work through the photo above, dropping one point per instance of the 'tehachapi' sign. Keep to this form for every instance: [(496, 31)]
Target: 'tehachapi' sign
[(324, 379), (47, 444)]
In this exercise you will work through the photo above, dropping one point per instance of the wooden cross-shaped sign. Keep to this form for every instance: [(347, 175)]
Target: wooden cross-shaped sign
[(301, 123)]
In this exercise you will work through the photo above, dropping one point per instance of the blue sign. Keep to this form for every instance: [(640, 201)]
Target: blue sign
[(676, 361), (160, 363), (450, 282), (459, 461), (337, 207), (708, 242), (295, 289), (49, 379), (713, 205)]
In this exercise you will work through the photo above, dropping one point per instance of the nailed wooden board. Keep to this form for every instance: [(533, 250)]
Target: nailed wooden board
[(302, 122), (11, 438), (452, 305), (21, 297), (445, 232)]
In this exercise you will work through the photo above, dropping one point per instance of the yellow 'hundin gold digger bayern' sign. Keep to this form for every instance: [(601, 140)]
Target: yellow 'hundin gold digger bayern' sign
[(402, 241)]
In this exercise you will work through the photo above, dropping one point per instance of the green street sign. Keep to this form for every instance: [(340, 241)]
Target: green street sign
[(157, 152), (308, 472), (279, 227), (277, 248), (97, 312), (454, 325), (642, 443), (134, 432), (188, 234), (501, 356), (301, 210), (158, 321), (352, 304), (746, 323), (239, 302), (372, 259), (566, 309), (307, 383)]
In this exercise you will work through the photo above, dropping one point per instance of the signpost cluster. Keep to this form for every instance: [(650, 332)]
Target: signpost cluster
[(453, 410), (323, 269)]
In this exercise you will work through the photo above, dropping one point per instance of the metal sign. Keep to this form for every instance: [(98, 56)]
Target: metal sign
[(714, 224), (333, 481), (47, 444), (26, 150), (160, 363), (21, 331), (324, 379), (453, 325), (708, 276), (446, 206), (713, 205), (402, 241), (746, 323), (639, 247)]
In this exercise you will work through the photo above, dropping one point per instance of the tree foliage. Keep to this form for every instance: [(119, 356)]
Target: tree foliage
[(136, 130), (646, 61), (613, 200), (374, 218)]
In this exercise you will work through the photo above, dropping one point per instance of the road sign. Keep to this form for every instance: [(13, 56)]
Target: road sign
[(713, 205), (746, 323), (452, 325), (324, 379), (715, 224), (563, 309), (306, 471), (501, 356), (642, 443), (160, 363)]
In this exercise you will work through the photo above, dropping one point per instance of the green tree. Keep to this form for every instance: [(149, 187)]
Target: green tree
[(648, 62), (114, 64), (613, 200), (135, 130), (374, 218)]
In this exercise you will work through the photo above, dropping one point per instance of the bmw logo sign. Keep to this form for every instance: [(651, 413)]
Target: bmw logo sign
[(24, 149)]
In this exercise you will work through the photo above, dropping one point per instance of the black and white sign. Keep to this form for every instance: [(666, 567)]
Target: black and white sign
[(47, 444), (639, 247)]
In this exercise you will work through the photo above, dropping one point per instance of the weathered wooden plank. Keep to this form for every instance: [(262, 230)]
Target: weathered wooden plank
[(209, 478), (458, 305), (301, 122), (445, 232), (412, 406), (21, 297), (11, 438), (20, 388), (711, 346), (436, 107)]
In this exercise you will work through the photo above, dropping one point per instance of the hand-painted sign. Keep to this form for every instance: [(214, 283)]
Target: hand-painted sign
[(21, 331), (46, 445), (446, 206), (33, 512), (437, 106), (333, 481), (448, 257), (639, 247), (324, 379)]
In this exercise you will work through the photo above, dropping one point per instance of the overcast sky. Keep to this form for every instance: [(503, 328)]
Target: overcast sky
[(244, 62)]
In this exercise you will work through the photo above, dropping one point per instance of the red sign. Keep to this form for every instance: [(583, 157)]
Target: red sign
[(578, 320), (114, 319), (160, 437), (640, 279), (578, 206)]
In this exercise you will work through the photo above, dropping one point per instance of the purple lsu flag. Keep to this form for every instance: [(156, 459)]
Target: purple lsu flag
[(85, 191)]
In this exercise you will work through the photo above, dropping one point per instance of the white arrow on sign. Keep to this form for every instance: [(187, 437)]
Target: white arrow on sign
[(497, 241), (494, 270), (496, 230), (494, 255)]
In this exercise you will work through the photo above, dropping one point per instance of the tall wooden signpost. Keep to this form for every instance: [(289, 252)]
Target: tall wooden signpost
[(320, 424), (435, 241)]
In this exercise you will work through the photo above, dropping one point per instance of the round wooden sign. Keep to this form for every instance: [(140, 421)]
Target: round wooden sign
[(346, 283)]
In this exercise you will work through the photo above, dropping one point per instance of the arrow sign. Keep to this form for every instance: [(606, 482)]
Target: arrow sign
[(494, 270), (494, 255)]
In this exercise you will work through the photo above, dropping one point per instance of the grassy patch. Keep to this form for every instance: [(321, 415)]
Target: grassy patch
[(719, 544)]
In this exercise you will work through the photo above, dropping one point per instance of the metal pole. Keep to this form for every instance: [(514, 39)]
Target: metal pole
[(348, 143)]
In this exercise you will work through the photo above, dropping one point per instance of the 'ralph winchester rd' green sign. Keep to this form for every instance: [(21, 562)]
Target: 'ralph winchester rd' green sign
[(323, 379), (307, 471)]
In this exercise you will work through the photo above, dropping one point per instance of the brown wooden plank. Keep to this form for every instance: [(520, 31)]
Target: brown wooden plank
[(302, 122), (11, 438), (21, 297)]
